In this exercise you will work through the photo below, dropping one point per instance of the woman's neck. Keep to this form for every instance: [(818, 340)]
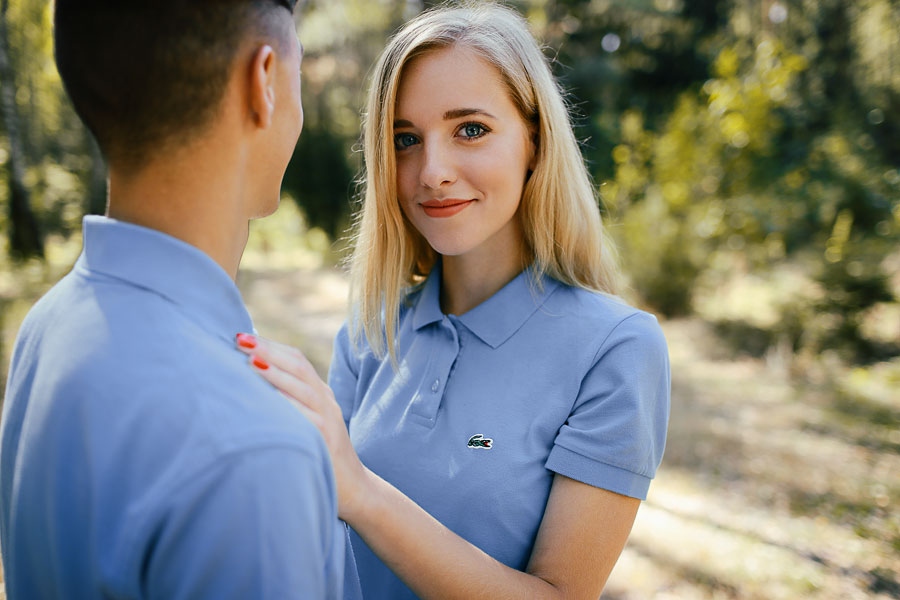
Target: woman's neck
[(470, 279)]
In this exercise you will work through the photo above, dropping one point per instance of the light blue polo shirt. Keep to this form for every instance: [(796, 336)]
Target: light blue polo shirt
[(487, 406), (140, 457)]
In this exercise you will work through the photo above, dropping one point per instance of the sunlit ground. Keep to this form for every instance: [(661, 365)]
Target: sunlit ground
[(769, 489), (775, 484)]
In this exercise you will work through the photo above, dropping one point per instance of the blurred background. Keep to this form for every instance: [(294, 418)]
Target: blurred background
[(747, 156)]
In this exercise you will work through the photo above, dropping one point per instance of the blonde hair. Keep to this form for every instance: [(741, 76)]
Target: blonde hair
[(559, 212)]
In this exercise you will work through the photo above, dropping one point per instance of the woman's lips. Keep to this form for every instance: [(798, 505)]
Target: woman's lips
[(444, 208)]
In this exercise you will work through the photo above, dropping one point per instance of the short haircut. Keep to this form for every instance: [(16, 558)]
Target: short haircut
[(147, 75)]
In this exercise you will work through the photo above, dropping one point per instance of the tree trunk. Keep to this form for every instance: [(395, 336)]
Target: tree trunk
[(25, 238)]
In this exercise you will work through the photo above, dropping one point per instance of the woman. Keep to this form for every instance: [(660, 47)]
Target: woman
[(505, 411)]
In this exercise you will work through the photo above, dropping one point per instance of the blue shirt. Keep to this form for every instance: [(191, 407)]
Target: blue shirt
[(140, 457), (541, 378)]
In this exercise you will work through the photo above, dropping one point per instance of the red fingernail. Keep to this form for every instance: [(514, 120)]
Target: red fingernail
[(245, 340), (259, 363)]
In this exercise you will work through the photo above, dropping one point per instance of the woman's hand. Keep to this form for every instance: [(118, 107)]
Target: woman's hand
[(293, 375)]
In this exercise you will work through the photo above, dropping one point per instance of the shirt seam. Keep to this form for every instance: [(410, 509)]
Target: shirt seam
[(602, 347)]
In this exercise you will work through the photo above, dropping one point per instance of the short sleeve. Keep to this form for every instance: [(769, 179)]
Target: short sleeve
[(259, 524), (615, 434), (343, 373)]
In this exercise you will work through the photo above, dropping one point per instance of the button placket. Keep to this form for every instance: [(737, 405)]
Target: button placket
[(434, 380)]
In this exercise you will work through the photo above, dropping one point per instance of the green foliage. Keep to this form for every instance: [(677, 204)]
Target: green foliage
[(320, 179), (693, 185), (770, 137), (732, 140), (854, 282), (57, 156)]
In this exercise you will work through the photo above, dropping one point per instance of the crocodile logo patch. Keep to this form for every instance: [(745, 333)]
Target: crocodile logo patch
[(479, 441)]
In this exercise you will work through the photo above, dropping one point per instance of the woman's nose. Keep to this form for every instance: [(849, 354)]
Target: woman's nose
[(437, 166)]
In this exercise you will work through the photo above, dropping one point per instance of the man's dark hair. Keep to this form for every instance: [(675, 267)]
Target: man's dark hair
[(143, 74)]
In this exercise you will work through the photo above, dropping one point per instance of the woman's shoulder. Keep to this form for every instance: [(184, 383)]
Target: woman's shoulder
[(593, 305), (602, 316)]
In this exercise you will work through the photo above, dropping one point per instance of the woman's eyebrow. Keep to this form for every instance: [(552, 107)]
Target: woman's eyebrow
[(450, 115), (456, 113)]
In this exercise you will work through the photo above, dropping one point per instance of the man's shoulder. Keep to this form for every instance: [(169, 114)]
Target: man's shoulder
[(129, 358)]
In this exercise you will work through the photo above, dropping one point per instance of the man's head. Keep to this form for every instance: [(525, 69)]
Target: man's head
[(150, 75)]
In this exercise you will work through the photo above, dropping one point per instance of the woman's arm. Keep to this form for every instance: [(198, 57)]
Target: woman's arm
[(582, 533), (581, 536)]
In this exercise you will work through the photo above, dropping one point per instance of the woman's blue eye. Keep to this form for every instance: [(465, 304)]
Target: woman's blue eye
[(473, 130), (404, 140)]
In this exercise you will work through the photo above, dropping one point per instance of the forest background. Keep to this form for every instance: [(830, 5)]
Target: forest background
[(747, 157)]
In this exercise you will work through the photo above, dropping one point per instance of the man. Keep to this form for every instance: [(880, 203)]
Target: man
[(139, 457)]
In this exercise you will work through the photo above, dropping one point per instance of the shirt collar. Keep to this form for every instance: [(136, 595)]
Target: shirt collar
[(496, 319), (169, 267)]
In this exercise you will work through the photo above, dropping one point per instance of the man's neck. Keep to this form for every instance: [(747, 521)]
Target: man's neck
[(191, 201)]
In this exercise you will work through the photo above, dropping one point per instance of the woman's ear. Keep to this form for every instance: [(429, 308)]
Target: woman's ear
[(262, 86)]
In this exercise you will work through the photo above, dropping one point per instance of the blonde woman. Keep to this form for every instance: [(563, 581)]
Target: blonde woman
[(497, 413)]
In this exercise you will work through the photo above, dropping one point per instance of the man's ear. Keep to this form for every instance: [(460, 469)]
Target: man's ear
[(262, 86)]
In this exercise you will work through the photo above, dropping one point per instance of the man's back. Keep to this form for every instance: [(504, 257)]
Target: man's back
[(140, 457)]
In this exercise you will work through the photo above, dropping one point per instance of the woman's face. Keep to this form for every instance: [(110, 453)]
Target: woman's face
[(463, 154)]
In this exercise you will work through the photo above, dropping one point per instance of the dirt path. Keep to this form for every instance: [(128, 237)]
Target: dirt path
[(765, 491)]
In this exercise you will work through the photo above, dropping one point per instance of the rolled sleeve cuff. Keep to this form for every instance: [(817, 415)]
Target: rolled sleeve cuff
[(598, 474)]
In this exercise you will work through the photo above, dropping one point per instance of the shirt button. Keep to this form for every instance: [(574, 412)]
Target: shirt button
[(435, 386)]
